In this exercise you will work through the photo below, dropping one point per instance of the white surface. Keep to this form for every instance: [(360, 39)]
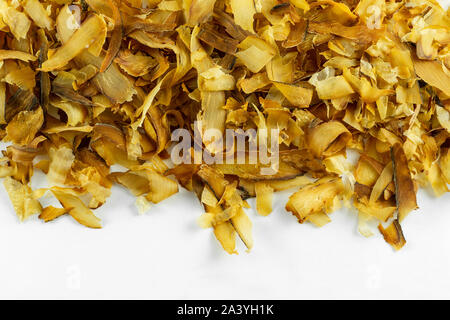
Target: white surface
[(164, 255)]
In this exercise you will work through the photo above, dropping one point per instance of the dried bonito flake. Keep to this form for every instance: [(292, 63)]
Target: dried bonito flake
[(18, 22), (38, 14), (264, 194), (70, 200), (22, 198), (22, 129), (405, 194), (82, 39), (89, 85), (393, 235), (328, 138), (50, 213), (61, 160), (315, 198)]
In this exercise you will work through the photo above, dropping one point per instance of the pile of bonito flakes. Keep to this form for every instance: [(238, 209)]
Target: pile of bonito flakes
[(91, 84)]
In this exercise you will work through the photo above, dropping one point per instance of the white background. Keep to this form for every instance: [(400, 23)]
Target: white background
[(165, 255)]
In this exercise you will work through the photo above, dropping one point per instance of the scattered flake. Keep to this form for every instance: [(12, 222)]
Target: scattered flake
[(94, 84)]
